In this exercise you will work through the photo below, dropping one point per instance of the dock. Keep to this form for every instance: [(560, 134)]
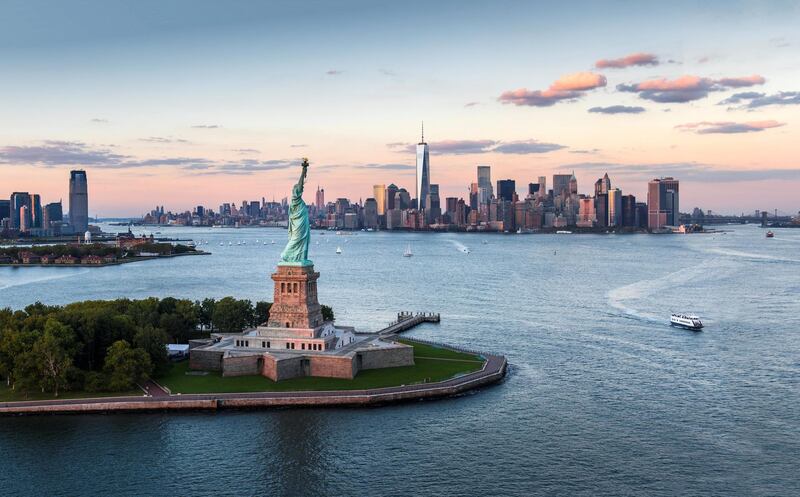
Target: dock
[(407, 320)]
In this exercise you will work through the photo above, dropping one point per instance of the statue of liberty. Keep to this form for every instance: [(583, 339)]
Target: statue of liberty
[(296, 251)]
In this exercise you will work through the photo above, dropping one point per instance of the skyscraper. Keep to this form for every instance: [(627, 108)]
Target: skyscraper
[(78, 201), (656, 202), (629, 210), (506, 188), (320, 200), (5, 209), (542, 185), (561, 184), (485, 192), (602, 185), (18, 201), (615, 207), (36, 211), (379, 194), (423, 172), (391, 191), (671, 187)]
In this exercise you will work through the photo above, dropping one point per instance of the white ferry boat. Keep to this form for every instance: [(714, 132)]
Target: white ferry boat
[(690, 322)]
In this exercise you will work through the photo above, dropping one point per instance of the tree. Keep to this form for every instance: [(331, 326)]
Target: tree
[(231, 315), (26, 372), (125, 367), (262, 312), (153, 341), (52, 362), (327, 313), (205, 310)]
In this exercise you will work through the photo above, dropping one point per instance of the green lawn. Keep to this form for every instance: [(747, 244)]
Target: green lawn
[(431, 364), (8, 395)]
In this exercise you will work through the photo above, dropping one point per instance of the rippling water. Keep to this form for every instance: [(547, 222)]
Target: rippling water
[(603, 397)]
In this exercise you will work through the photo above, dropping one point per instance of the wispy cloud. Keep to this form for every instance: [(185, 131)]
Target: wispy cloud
[(471, 104), (206, 126), (634, 59), (53, 153), (246, 150), (567, 88), (387, 72), (617, 109), (298, 145), (686, 88), (686, 171), (757, 100), (728, 127), (469, 147), (333, 72), (99, 120), (526, 147), (161, 139)]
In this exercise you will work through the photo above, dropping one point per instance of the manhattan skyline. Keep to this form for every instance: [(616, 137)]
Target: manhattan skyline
[(217, 103)]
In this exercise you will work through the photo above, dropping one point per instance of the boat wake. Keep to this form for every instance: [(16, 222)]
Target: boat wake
[(460, 246), (750, 255), (621, 298), (58, 274)]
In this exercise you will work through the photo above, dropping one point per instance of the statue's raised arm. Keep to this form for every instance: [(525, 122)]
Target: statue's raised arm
[(296, 251)]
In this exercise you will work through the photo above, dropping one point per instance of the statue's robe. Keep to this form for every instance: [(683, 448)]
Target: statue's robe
[(299, 229)]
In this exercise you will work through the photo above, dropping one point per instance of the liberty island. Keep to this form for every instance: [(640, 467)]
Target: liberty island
[(297, 341)]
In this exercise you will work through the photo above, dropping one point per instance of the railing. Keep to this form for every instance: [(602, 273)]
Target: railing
[(454, 347)]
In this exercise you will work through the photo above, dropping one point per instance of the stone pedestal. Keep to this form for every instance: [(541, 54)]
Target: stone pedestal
[(295, 302)]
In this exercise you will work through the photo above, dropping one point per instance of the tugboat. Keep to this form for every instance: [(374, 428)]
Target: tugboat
[(770, 234), (688, 321)]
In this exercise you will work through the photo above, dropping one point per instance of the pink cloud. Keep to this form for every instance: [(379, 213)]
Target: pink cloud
[(634, 59), (579, 81), (568, 87), (729, 127)]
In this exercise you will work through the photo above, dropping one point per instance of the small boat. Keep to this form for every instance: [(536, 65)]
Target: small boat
[(485, 242), (238, 243), (265, 243), (338, 250), (230, 243), (563, 232), (688, 321), (272, 242), (465, 250), (770, 234), (221, 244), (408, 252)]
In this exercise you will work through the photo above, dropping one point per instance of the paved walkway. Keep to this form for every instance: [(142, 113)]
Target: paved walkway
[(493, 371)]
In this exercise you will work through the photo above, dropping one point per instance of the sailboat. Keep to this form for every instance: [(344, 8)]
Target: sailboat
[(408, 252), (338, 250)]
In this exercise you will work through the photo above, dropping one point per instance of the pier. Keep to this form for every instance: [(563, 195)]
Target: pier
[(407, 320)]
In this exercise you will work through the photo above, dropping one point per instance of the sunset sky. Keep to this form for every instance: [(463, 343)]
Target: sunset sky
[(186, 103)]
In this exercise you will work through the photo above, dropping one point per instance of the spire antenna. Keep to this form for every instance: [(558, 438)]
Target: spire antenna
[(423, 132)]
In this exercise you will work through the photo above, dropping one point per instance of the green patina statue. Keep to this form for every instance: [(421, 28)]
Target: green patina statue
[(296, 251)]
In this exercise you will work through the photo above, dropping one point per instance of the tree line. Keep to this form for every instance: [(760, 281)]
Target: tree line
[(98, 249), (110, 345)]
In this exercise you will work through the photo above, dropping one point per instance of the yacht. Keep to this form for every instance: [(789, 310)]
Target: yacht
[(338, 250), (770, 234), (688, 321), (408, 252)]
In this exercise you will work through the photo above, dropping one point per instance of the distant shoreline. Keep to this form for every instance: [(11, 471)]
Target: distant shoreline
[(105, 264)]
